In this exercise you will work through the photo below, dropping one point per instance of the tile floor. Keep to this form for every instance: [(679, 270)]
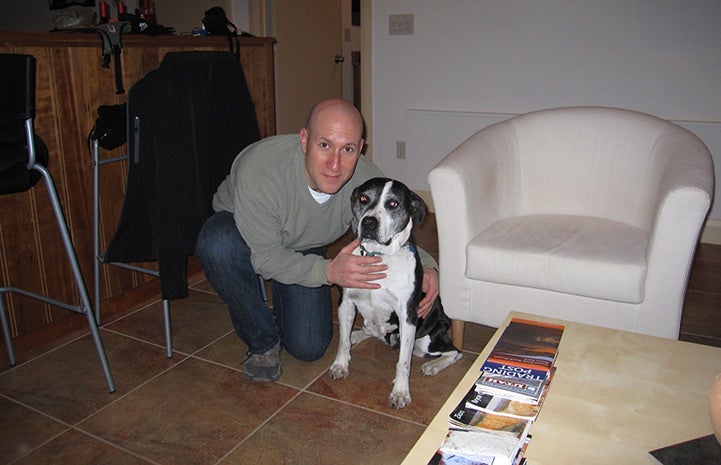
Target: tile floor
[(196, 407)]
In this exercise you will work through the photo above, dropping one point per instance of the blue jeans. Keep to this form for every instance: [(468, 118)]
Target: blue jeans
[(301, 317)]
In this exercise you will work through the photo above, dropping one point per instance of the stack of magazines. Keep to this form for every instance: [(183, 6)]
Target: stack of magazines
[(490, 426)]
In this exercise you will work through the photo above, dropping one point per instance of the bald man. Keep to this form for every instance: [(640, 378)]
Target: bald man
[(286, 198)]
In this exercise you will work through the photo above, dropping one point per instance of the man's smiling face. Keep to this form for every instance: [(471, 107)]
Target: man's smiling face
[(332, 143)]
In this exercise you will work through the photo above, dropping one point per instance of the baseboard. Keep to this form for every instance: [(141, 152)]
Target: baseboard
[(711, 233)]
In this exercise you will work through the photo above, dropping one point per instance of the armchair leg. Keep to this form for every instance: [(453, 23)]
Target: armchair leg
[(457, 327)]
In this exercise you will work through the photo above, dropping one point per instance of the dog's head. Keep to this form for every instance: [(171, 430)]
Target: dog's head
[(385, 210)]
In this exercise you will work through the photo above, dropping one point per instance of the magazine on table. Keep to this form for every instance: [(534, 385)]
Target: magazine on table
[(470, 419), (522, 390), (529, 344), (502, 405)]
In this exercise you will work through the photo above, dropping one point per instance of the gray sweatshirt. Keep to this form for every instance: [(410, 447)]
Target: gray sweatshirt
[(267, 194)]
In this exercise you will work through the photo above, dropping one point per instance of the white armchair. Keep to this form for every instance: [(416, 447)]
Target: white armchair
[(587, 214)]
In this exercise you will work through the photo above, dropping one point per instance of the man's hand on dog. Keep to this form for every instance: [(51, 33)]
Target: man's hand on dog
[(430, 287), (349, 270), (355, 271)]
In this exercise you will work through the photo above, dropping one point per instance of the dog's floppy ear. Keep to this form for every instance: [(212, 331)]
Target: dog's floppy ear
[(418, 208), (354, 195), (354, 203)]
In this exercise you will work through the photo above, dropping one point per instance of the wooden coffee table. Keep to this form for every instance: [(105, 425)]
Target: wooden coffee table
[(615, 396)]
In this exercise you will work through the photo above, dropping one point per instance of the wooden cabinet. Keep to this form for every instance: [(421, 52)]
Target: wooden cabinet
[(71, 84)]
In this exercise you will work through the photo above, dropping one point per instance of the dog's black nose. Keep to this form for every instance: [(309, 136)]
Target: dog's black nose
[(369, 223)]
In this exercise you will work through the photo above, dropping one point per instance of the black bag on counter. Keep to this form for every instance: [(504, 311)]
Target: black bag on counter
[(216, 23)]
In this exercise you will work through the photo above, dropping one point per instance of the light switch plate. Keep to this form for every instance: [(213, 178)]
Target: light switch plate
[(400, 24)]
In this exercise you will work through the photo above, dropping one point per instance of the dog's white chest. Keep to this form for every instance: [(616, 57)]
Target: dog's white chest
[(376, 305)]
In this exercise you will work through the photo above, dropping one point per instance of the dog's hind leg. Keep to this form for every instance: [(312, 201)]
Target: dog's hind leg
[(401, 394), (346, 315), (358, 336), (435, 366)]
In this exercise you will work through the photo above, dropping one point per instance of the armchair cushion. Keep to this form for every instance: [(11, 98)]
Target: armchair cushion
[(581, 255)]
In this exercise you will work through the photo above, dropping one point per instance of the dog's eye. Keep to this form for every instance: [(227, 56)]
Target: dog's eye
[(363, 198), (393, 204)]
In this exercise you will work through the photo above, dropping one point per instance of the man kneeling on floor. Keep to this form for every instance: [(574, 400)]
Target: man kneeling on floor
[(286, 198)]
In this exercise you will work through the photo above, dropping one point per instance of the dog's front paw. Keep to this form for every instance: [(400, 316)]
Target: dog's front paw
[(338, 371), (399, 399)]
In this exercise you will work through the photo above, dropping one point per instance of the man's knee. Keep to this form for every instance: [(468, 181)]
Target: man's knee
[(308, 350), (217, 236)]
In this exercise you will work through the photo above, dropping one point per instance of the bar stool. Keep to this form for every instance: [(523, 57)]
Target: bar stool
[(23, 160)]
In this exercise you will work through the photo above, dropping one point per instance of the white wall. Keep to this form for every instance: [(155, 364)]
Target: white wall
[(512, 56)]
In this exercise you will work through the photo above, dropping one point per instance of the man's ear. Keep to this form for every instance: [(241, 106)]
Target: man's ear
[(304, 140)]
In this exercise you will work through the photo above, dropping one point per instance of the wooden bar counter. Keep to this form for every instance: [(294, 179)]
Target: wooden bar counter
[(71, 85)]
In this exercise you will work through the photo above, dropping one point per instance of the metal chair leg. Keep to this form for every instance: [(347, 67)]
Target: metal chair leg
[(6, 332), (87, 307), (168, 329)]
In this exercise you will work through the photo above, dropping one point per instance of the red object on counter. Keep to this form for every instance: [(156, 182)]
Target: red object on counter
[(104, 12)]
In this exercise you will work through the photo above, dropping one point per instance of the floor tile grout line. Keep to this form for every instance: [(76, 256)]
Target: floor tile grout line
[(130, 313), (145, 341), (219, 364), (260, 426), (67, 425), (81, 334), (35, 410), (78, 424), (39, 446), (204, 291), (301, 391), (214, 341), (114, 445), (367, 409)]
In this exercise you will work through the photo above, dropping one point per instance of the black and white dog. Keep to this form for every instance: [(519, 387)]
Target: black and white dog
[(386, 210)]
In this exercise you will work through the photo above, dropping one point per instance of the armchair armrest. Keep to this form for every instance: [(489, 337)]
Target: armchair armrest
[(472, 187), (684, 198)]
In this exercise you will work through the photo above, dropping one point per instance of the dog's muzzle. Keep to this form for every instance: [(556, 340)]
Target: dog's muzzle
[(370, 229)]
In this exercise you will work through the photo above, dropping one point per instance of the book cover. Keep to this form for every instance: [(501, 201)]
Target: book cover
[(452, 458), (469, 419), (499, 405), (511, 371), (479, 447), (529, 344), (705, 450), (524, 390)]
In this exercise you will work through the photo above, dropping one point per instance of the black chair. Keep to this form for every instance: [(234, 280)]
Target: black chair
[(23, 161)]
